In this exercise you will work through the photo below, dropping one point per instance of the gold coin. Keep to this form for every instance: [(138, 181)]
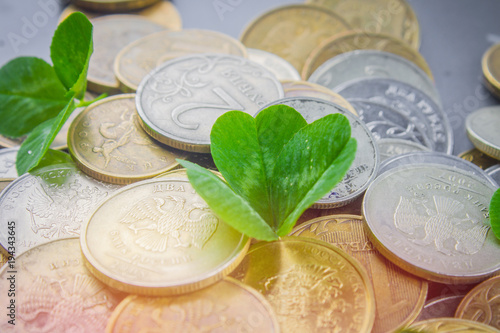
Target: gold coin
[(361, 40), (159, 238), (52, 291), (309, 89), (227, 306), (393, 17), (4, 183), (137, 59), (491, 68), (311, 285), (482, 304), (395, 307), (108, 143), (449, 325), (293, 31), (4, 256), (478, 158), (164, 13), (114, 5)]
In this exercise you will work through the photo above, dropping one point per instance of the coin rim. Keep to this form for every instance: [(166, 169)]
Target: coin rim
[(462, 307), (113, 6), (486, 147)]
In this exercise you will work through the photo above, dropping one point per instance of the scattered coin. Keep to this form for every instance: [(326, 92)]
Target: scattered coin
[(3, 184), (395, 307), (114, 5), (447, 325), (482, 129), (311, 285), (432, 220), (227, 306), (8, 169), (179, 102), (134, 62), (440, 307), (478, 158), (491, 69), (159, 238), (293, 31), (390, 147), (275, 64)]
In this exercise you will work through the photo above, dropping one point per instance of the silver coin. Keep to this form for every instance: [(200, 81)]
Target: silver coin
[(358, 64), (52, 203), (412, 102), (482, 128), (274, 63), (8, 163), (439, 307), (392, 147), (365, 166), (494, 172), (179, 101), (112, 33), (432, 220), (387, 122), (424, 157)]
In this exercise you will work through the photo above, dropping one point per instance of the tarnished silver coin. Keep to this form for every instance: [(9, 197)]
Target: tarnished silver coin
[(111, 33), (432, 220), (49, 204), (430, 157), (134, 62), (359, 64), (274, 63), (179, 101), (494, 172), (483, 130), (8, 163), (412, 102), (439, 307), (365, 166), (387, 122), (392, 147)]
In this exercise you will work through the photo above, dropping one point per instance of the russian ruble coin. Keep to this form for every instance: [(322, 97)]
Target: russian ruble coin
[(48, 204), (134, 62), (111, 33), (293, 31), (227, 306), (478, 158), (395, 307), (365, 166), (108, 143), (432, 220), (158, 237), (163, 13), (312, 286), (8, 169), (491, 69), (361, 40), (114, 5), (390, 147), (386, 122), (50, 290), (447, 325), (494, 172), (415, 104), (360, 64), (440, 307), (274, 63), (393, 17), (308, 89), (430, 157), (179, 101), (482, 129)]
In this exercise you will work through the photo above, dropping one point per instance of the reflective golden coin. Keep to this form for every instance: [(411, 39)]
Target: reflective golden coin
[(164, 13), (478, 158), (159, 238), (311, 285), (227, 306), (54, 292), (393, 17), (395, 307), (482, 304), (309, 89), (491, 68), (8, 142), (293, 31), (4, 256), (450, 325), (114, 5), (4, 183), (137, 59), (108, 143), (361, 40)]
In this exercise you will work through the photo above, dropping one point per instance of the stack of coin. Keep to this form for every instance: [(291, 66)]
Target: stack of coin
[(491, 69)]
